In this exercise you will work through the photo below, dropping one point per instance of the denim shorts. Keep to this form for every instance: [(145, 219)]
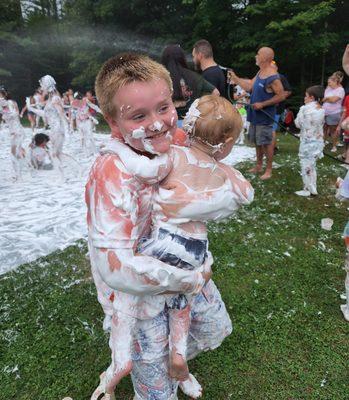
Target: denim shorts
[(260, 135), (332, 119)]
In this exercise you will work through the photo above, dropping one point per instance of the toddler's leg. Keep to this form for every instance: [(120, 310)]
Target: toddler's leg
[(313, 178), (179, 322), (120, 342)]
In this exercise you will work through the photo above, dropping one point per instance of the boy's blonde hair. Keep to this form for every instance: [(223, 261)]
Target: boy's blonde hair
[(121, 70), (218, 120)]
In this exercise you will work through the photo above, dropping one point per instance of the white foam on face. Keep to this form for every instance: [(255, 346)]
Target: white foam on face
[(41, 213), (157, 126), (138, 133)]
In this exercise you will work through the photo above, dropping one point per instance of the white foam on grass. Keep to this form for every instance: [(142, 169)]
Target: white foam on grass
[(43, 213)]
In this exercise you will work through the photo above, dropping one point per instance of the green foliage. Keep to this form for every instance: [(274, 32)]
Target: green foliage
[(70, 39)]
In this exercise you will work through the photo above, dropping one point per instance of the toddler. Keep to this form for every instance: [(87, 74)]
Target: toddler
[(310, 120)]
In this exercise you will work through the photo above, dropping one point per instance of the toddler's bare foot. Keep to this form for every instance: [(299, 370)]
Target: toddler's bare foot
[(116, 378), (178, 368), (191, 387)]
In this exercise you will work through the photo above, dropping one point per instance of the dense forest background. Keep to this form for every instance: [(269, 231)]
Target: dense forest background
[(70, 39)]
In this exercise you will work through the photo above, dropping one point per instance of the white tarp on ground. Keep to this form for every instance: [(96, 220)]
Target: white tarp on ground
[(42, 213)]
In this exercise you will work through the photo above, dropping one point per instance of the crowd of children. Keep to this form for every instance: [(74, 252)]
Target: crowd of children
[(48, 111)]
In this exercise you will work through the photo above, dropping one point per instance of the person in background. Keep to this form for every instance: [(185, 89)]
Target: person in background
[(39, 153), (266, 91), (203, 59), (30, 115), (187, 84), (288, 118), (310, 120), (332, 103)]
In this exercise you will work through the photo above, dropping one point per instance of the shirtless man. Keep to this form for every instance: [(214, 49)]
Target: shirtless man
[(266, 91)]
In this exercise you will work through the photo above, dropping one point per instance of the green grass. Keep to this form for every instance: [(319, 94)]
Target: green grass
[(280, 276)]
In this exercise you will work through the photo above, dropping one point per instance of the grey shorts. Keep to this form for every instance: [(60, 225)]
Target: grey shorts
[(332, 119), (260, 135)]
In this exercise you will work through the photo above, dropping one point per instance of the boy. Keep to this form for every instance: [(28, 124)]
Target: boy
[(310, 120), (132, 89)]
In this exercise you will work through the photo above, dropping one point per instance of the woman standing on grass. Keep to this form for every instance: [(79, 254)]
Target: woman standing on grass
[(332, 103)]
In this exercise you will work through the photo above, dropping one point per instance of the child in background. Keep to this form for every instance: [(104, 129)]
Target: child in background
[(243, 114), (288, 118), (39, 155), (310, 120), (332, 103)]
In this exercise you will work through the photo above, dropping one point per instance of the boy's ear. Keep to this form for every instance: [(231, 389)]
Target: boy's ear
[(113, 125)]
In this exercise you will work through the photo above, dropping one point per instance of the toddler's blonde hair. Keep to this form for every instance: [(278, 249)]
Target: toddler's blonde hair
[(218, 120)]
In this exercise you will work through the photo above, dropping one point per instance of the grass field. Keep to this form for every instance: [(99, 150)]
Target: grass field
[(280, 276)]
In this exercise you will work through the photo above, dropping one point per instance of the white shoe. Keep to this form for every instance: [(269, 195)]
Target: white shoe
[(191, 387), (340, 144), (345, 312), (303, 193), (334, 150)]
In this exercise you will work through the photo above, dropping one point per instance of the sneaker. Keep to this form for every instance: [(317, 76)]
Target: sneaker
[(303, 193), (334, 150), (340, 144)]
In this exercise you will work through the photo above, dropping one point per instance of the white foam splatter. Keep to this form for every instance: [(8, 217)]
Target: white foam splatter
[(41, 213)]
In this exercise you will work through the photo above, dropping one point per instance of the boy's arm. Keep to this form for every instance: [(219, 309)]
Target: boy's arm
[(113, 211)]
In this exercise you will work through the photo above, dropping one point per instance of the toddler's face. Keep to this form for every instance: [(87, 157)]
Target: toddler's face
[(307, 98), (146, 117)]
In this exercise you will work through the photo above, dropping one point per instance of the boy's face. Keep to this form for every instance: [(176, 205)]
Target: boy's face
[(145, 117)]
